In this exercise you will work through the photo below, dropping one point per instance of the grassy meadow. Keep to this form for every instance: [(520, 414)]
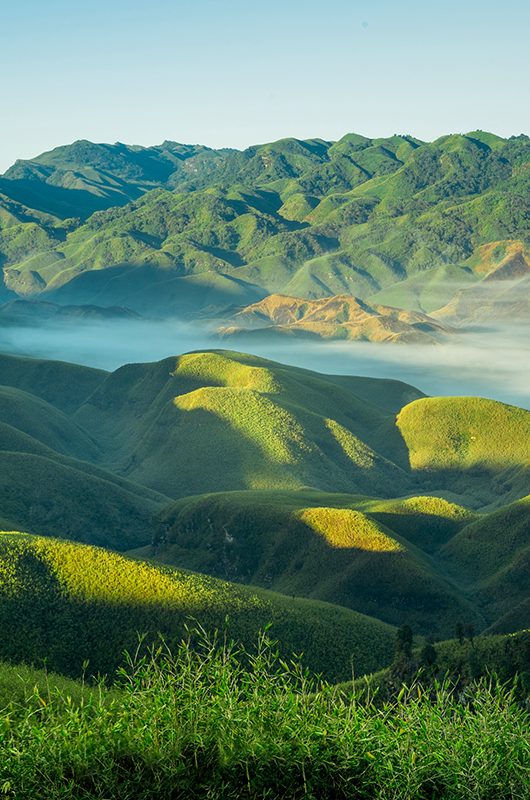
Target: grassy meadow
[(226, 723)]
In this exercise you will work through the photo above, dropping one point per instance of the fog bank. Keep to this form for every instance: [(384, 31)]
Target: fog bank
[(492, 362)]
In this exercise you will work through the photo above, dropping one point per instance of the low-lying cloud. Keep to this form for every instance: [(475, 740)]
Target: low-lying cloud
[(492, 362)]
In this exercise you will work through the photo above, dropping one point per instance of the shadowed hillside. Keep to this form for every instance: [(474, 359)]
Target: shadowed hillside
[(355, 491), (492, 555), (328, 546), (221, 420), (418, 560)]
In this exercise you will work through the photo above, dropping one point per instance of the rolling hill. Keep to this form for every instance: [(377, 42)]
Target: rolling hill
[(329, 546), (354, 491), (469, 445), (492, 555), (221, 420), (422, 561)]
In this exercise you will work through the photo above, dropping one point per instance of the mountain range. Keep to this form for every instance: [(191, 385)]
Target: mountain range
[(184, 230)]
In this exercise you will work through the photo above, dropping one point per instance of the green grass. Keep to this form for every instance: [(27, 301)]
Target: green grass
[(229, 724), (23, 689), (417, 560), (490, 542), (65, 604), (470, 444), (465, 432), (223, 421)]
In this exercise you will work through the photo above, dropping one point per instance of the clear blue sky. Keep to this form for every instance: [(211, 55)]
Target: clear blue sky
[(238, 72)]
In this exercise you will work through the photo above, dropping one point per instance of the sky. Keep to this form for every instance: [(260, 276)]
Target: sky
[(239, 72)]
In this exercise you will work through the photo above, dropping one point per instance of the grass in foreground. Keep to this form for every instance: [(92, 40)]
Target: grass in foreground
[(221, 723)]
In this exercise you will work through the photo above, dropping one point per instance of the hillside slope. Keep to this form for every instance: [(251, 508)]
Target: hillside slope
[(421, 561), (470, 445), (221, 420), (328, 546), (69, 603), (492, 555)]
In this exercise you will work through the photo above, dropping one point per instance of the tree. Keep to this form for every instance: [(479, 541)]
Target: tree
[(460, 632), (469, 631), (428, 654), (404, 641)]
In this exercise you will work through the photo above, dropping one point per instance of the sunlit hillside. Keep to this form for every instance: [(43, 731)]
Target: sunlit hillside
[(67, 605)]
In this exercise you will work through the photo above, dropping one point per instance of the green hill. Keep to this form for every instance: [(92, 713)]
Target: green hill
[(44, 493), (67, 603), (76, 180), (221, 420), (492, 555), (471, 445), (62, 385), (354, 491), (460, 663), (48, 425)]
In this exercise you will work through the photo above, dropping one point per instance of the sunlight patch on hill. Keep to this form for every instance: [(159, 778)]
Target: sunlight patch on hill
[(344, 528)]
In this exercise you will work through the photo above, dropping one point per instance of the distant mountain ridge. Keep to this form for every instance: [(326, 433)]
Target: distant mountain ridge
[(339, 317), (393, 221)]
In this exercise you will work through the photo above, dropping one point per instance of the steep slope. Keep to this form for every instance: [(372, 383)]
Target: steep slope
[(339, 317), (322, 545), (68, 603)]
